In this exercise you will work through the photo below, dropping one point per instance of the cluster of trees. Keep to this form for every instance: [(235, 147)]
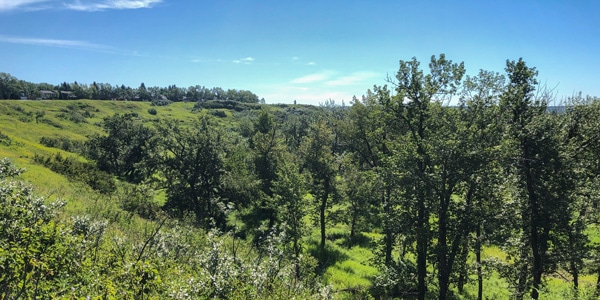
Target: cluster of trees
[(13, 88), (439, 183)]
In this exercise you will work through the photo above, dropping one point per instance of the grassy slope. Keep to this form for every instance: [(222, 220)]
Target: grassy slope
[(350, 269), (18, 122)]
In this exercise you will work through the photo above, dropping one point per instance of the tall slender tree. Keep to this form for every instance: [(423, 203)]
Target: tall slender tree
[(481, 118), (431, 161), (318, 159), (533, 152)]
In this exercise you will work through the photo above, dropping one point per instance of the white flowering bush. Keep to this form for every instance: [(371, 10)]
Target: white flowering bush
[(47, 256), (36, 257), (219, 272)]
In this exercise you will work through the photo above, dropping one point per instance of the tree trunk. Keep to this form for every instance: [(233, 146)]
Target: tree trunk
[(387, 228), (463, 271), (537, 267), (478, 260), (466, 226), (522, 283), (322, 220), (352, 228), (575, 274), (524, 257), (442, 255), (447, 254), (322, 209), (422, 220), (296, 258)]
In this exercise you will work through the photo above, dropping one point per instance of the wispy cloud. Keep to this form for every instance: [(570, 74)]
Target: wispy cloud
[(52, 42), (354, 78), (312, 63), (295, 58), (8, 5), (305, 95), (79, 5), (110, 4), (248, 60), (312, 78), (73, 44), (320, 86)]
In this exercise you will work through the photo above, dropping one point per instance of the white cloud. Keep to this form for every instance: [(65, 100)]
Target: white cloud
[(72, 44), (318, 87), (110, 4), (7, 5), (295, 58), (80, 5), (248, 60), (54, 43), (354, 78), (312, 63), (304, 95), (312, 78)]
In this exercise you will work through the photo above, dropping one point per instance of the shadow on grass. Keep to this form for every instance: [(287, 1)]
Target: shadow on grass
[(326, 257), (358, 239)]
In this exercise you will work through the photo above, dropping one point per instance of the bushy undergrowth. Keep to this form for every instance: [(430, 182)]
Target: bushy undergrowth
[(219, 113), (5, 139), (77, 113), (78, 171), (63, 144), (226, 104), (46, 256), (139, 199), (161, 102)]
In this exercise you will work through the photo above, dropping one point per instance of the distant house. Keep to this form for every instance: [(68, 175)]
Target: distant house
[(48, 94), (66, 95)]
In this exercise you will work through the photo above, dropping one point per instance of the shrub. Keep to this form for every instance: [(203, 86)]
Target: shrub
[(139, 199), (38, 256), (72, 116), (396, 280), (226, 104), (50, 122), (78, 171), (77, 113), (225, 275), (218, 113), (63, 144), (5, 139), (161, 102), (152, 111)]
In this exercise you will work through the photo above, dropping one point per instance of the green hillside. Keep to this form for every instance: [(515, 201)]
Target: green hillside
[(397, 196)]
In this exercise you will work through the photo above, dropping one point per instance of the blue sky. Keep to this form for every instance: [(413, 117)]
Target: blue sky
[(308, 51)]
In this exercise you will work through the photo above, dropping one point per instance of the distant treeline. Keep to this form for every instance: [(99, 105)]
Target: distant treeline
[(13, 88)]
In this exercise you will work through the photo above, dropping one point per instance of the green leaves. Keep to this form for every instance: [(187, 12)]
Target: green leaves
[(128, 151), (192, 167)]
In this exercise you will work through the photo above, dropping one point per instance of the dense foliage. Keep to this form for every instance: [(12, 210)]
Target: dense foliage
[(13, 88), (264, 201)]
